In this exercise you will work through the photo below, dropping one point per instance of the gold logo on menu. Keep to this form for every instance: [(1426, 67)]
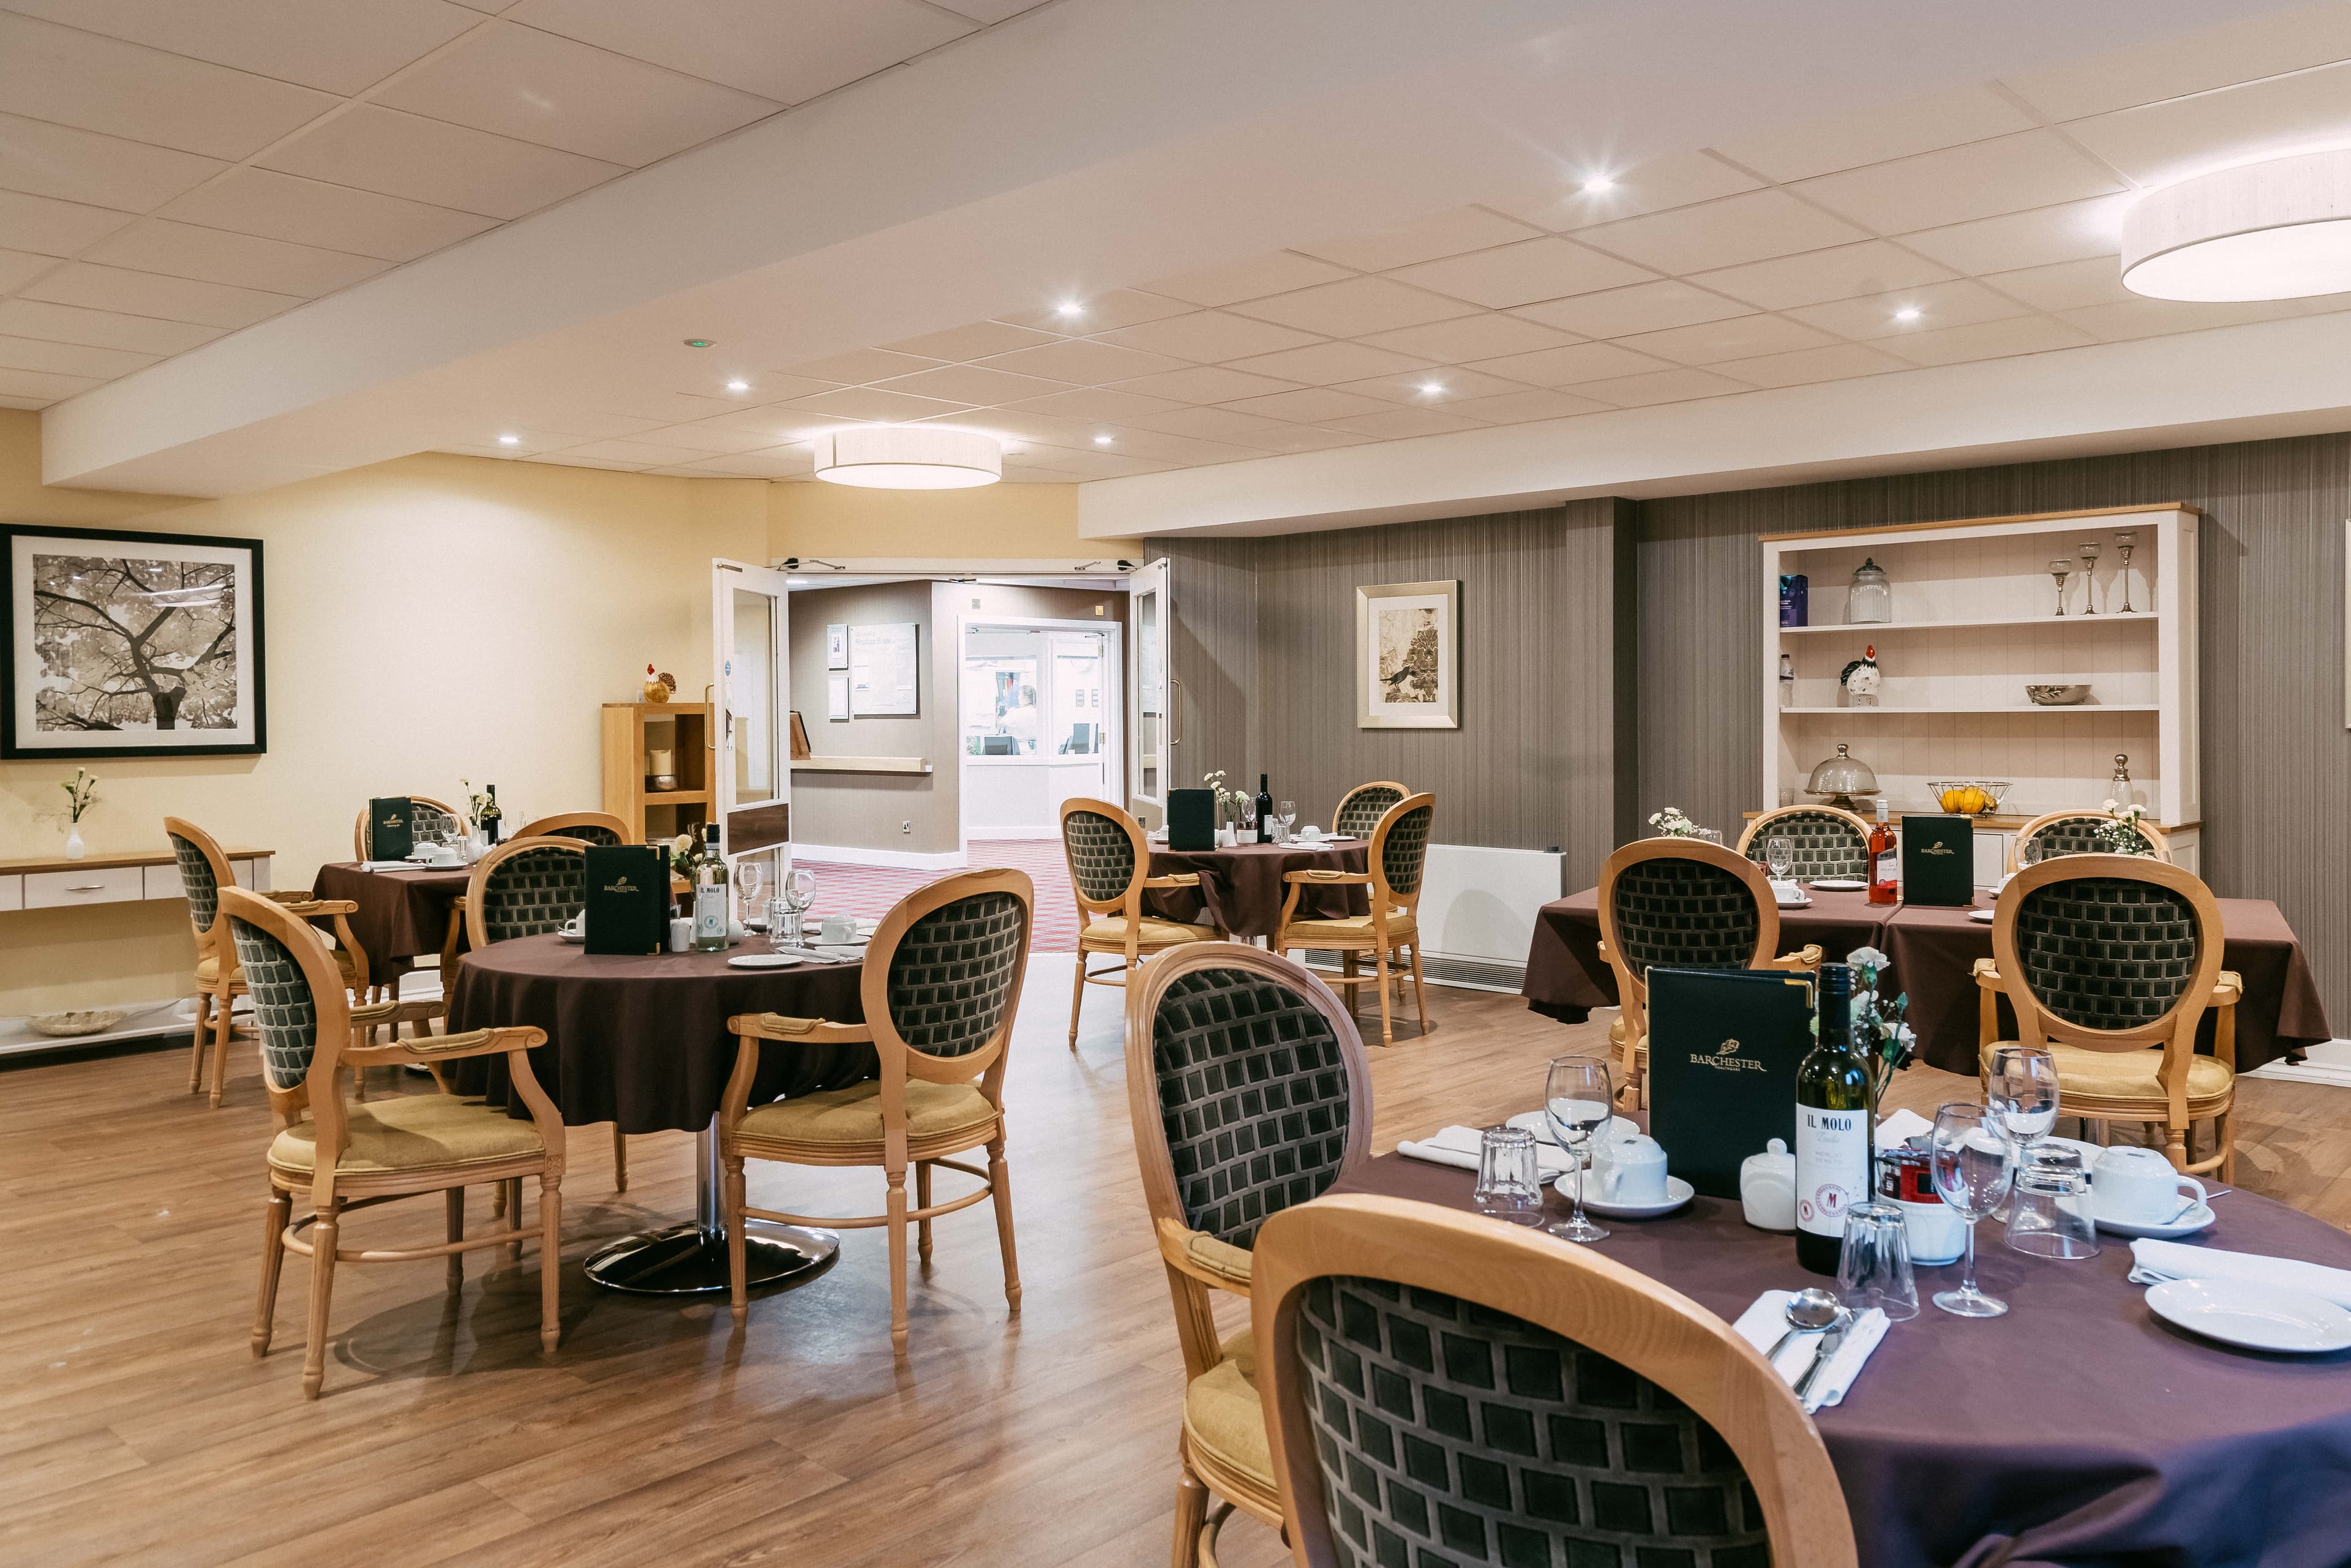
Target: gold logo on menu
[(1725, 1058), (391, 820), (623, 885), (1934, 850)]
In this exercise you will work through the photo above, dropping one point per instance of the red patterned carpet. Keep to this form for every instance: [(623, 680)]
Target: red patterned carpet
[(871, 890)]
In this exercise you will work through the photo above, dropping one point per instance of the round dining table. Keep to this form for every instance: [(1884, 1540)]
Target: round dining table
[(1242, 886), (640, 1040), (404, 913), (2077, 1428)]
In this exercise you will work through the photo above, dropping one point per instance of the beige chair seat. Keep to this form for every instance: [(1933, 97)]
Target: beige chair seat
[(2128, 1074), (1224, 1416), (1356, 928), (411, 1133), (1111, 932), (851, 1117), (208, 968)]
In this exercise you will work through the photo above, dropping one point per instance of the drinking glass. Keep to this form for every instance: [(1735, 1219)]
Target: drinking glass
[(2060, 569), (1510, 1182), (1874, 1270), (1780, 855), (2124, 544), (1708, 835), (796, 890), (2021, 1090), (1245, 819), (2030, 854), (1577, 1094), (2049, 1216), (2088, 550), (1286, 813), (1974, 1166), (749, 876)]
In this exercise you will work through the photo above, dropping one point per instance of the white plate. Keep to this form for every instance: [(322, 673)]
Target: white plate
[(1677, 1193), (1795, 902), (2196, 1217), (2258, 1317), (1984, 916), (762, 961), (1840, 884)]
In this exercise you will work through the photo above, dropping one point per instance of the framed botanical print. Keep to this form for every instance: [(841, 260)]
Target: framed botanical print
[(1408, 656), (130, 645)]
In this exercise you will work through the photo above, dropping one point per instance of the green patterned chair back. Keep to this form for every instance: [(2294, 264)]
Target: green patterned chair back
[(2073, 836), (534, 891), (1825, 844), (952, 975), (197, 882), (2107, 952), (1450, 1433), (1361, 812), (1254, 1097), (1101, 855), (1405, 853), (285, 1011), (1685, 915), (588, 833)]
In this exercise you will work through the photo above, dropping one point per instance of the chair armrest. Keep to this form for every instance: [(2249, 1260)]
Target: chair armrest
[(809, 1031), (2228, 989), (1807, 957), (382, 1013), (1219, 1265), (289, 895), (431, 1048), (1174, 879), (1322, 873), (308, 906), (1987, 973)]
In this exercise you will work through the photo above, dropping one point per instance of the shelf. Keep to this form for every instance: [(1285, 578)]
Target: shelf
[(115, 862), (1880, 627), (1970, 712), (860, 764), (677, 796)]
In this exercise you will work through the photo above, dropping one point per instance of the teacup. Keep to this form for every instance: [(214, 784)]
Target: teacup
[(1309, 834), (1635, 1174), (836, 930), (1606, 1140), (2138, 1186)]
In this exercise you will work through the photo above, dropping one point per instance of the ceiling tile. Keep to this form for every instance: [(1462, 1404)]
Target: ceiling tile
[(68, 76), (1569, 366), (643, 402), (42, 386), (149, 294), (873, 403), (1812, 277), (1836, 141), (1153, 446), (789, 50), (2066, 284), (1082, 362), (861, 365), (1309, 438), (101, 328), (1325, 363), (1661, 386), (1103, 311), (18, 268), (1017, 473), (1216, 425), (1423, 239), (1736, 229), (1206, 383), (1208, 337), (217, 255), (543, 429), (1521, 274), (988, 11), (776, 419), (1736, 337), (1312, 406), (1402, 424), (1353, 307), (2006, 175), (706, 437), (2067, 232), (69, 359), (332, 217), (1675, 180), (572, 460), (1644, 308), (2163, 142), (1986, 341), (976, 342), (72, 165), (1466, 337), (537, 87), (974, 384), (2190, 62), (1939, 305), (650, 450), (774, 462), (2155, 317), (1836, 362), (335, 46), (50, 227), (776, 386), (1455, 384), (1252, 278), (429, 161), (1520, 407), (1095, 405)]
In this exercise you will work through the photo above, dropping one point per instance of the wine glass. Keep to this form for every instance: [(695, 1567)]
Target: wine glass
[(2030, 854), (2124, 544), (795, 891), (1286, 813), (750, 874), (1974, 1166), (1577, 1095), (2021, 1090), (1779, 854), (2088, 550), (2060, 569), (1245, 819)]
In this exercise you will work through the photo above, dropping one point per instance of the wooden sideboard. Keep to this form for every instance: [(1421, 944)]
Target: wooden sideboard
[(57, 883)]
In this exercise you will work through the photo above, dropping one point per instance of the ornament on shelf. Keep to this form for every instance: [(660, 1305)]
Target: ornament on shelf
[(1861, 679), (659, 688), (1870, 603)]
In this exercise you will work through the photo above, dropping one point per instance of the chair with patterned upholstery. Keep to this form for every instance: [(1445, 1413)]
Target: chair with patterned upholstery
[(1360, 810), (2076, 832), (352, 1156), (1442, 1389), (426, 816), (1110, 870), (1687, 904), (2111, 961), (940, 990), (1247, 1089), (589, 827), (1828, 840), (1396, 859), (204, 874)]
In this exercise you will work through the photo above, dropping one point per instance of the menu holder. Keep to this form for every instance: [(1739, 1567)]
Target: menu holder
[(1724, 1048), (1191, 819), (627, 906), (392, 827), (1938, 861)]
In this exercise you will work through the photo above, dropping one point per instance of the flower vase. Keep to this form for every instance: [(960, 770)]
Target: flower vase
[(75, 849)]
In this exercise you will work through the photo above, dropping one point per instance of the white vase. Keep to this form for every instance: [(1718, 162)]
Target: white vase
[(74, 848)]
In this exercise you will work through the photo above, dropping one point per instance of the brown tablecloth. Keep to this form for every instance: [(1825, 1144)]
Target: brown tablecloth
[(644, 1040), (1241, 888), (402, 913), (2077, 1429), (1566, 976)]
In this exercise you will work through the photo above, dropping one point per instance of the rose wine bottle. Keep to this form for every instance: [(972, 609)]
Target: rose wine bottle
[(1832, 1128), (1884, 859)]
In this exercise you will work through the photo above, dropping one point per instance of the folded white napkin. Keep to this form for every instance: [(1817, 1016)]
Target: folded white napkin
[(2153, 1263), (387, 865), (1761, 1325), (1900, 1128), (1457, 1146)]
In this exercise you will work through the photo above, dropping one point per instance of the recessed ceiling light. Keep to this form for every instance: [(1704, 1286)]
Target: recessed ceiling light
[(1907, 313), (2278, 229), (697, 342), (1101, 441), (738, 384), (1069, 308), (1432, 388), (509, 440), (1597, 183)]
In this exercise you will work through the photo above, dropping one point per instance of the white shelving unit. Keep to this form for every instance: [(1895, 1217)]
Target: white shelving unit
[(1974, 622)]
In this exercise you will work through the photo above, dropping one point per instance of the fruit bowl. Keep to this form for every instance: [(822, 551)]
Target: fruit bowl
[(1968, 797), (2057, 696)]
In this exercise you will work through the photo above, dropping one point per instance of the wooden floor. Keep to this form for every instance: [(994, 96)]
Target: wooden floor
[(136, 1428)]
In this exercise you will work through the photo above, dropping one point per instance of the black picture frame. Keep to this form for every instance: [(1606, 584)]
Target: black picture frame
[(18, 659)]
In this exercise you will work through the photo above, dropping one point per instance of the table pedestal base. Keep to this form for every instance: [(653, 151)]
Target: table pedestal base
[(686, 1259)]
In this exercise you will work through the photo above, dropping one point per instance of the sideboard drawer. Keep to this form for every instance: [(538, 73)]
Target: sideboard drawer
[(12, 893), (60, 889), (161, 882)]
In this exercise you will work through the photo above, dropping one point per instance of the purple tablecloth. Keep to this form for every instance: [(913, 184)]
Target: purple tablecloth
[(402, 913), (2078, 1429), (1567, 978), (1242, 888)]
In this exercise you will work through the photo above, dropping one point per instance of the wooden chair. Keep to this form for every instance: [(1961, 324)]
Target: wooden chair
[(204, 875), (2110, 961), (1615, 1419), (1828, 840), (350, 1156), (1398, 854), (940, 991), (1109, 870), (1687, 904), (589, 827), (426, 815), (1360, 810), (1247, 1089), (2076, 832)]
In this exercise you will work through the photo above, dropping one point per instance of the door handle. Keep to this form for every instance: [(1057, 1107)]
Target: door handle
[(1175, 713)]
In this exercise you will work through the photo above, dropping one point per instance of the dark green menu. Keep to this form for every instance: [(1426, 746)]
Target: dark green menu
[(392, 827), (1191, 819), (1938, 861), (627, 899), (1724, 1046)]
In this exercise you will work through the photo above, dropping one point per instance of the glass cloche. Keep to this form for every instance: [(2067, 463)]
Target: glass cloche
[(1841, 777), (1871, 600)]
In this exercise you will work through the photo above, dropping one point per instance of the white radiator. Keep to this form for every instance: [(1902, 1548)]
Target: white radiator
[(1477, 909)]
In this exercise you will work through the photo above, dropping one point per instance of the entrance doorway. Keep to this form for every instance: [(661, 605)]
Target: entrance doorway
[(1039, 707)]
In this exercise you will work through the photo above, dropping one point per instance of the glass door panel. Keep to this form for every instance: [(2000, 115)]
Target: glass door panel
[(1147, 686), (751, 627)]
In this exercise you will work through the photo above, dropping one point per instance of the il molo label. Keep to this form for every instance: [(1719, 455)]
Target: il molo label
[(1832, 1167)]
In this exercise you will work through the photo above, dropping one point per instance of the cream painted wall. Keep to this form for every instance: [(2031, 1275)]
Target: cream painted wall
[(993, 522)]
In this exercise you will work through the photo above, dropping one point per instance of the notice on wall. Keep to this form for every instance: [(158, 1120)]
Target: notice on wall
[(882, 669), (835, 697)]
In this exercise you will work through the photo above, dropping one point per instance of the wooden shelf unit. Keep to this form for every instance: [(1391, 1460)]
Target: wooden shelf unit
[(633, 729)]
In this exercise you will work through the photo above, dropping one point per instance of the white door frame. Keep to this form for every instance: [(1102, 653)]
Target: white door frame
[(726, 578), (1113, 754), (1151, 577)]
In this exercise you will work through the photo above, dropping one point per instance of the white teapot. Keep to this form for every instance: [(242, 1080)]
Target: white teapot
[(1767, 1187)]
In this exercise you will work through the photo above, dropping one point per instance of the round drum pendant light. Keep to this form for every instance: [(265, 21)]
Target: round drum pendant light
[(2273, 230), (908, 457)]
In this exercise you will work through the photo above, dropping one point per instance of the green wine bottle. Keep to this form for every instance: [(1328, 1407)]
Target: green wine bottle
[(1832, 1128)]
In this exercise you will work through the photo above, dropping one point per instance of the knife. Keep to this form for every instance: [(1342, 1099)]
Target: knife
[(1831, 1343)]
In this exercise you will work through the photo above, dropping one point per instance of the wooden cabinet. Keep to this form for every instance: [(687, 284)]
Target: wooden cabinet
[(50, 883), (632, 733)]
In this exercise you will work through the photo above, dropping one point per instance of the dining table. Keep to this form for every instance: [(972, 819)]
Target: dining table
[(2077, 1429), (402, 914), (642, 1041), (1242, 887)]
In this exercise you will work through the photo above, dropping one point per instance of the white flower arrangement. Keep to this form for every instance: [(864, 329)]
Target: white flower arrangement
[(81, 791), (2120, 835), (1671, 824), (1886, 1041), (1229, 801)]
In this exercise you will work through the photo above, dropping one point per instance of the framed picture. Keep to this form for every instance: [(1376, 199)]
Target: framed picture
[(836, 646), (130, 645), (1408, 656)]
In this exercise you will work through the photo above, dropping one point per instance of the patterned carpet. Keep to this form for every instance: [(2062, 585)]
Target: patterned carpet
[(871, 890)]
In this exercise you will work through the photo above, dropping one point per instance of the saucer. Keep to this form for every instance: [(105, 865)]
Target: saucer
[(1840, 884), (2258, 1317), (574, 937), (1793, 903), (2198, 1216), (1677, 1193), (762, 961), (1984, 916)]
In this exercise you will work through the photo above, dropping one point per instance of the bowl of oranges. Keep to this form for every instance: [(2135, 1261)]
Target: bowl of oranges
[(1968, 797)]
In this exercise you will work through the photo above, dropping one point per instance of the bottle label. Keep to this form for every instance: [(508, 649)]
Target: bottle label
[(1832, 1167), (710, 912), (1889, 866)]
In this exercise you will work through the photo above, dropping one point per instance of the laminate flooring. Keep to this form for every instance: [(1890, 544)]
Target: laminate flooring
[(136, 1428)]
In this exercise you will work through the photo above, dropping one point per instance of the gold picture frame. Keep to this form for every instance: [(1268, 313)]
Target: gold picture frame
[(1409, 655)]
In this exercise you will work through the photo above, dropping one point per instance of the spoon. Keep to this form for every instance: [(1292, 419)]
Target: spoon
[(1809, 1312)]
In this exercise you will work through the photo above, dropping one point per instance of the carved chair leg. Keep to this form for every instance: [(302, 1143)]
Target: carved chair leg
[(274, 1220), (620, 1159), (1191, 1513), (324, 1239), (1077, 1000), (550, 1263), (1380, 967), (923, 1200), (453, 1203), (223, 1006), (2175, 1146), (999, 1181), (498, 1199), (514, 1218), (733, 1201), (2224, 1130), (897, 1213), (1420, 989), (201, 1043)]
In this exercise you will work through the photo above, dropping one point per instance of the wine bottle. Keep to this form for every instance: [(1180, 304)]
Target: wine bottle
[(1833, 1127), (1885, 860), (491, 815), (710, 895), (1264, 812)]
